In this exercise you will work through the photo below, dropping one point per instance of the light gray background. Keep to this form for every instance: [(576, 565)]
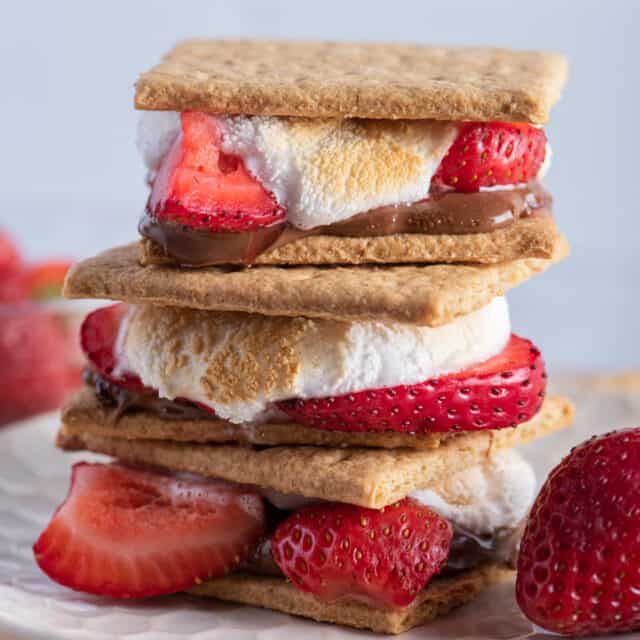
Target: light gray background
[(71, 182)]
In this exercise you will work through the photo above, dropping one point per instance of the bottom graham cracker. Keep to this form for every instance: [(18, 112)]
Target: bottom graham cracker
[(440, 597)]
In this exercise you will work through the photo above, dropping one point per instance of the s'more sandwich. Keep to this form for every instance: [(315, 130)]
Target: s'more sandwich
[(351, 462), (337, 153), (330, 441)]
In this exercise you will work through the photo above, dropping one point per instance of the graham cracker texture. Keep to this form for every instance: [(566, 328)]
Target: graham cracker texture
[(345, 80), (441, 596), (84, 413), (535, 237), (426, 295), (362, 476)]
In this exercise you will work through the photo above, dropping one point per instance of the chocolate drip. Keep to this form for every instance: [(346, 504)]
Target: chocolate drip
[(445, 213)]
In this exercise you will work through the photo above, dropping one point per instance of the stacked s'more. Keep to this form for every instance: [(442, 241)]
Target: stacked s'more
[(309, 385)]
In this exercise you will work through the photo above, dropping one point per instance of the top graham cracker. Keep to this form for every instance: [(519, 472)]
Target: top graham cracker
[(348, 80)]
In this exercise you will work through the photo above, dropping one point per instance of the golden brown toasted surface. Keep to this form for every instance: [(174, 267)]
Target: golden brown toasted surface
[(340, 79), (535, 237), (441, 596), (363, 476), (85, 414), (426, 295)]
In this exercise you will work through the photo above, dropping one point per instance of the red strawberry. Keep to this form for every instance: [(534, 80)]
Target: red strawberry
[(579, 562), (45, 279), (14, 286), (501, 392), (98, 335), (200, 186), (9, 255), (38, 368), (486, 154), (387, 556), (131, 533)]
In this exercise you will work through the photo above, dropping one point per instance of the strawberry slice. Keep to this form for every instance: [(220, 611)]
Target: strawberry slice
[(487, 154), (200, 186), (98, 335), (45, 279), (131, 533), (502, 392), (337, 550)]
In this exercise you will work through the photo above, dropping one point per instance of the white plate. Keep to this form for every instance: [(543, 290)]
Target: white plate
[(34, 479)]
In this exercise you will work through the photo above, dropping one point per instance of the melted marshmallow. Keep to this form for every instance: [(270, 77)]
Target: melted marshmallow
[(240, 364)]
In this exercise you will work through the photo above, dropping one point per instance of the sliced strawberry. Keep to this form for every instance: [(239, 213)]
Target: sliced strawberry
[(504, 391), (338, 550), (45, 279), (487, 154), (202, 187), (131, 533), (98, 335)]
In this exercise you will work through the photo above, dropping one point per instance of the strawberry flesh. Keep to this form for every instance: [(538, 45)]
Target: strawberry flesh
[(385, 556), (489, 154), (98, 335), (131, 533), (579, 559), (504, 391), (201, 187)]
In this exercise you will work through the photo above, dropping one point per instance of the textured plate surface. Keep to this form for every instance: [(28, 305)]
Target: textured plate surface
[(34, 479)]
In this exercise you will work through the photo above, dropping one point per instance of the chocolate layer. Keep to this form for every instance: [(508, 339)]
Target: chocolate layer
[(445, 213), (124, 400)]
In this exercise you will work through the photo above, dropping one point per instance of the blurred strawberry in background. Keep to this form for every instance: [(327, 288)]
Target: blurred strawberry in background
[(40, 362)]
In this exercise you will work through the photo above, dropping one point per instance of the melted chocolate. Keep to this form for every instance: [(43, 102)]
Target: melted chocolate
[(123, 401), (444, 213)]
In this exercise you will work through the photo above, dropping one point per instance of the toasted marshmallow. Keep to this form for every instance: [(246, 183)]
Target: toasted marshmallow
[(486, 498), (324, 171), (320, 170), (240, 364)]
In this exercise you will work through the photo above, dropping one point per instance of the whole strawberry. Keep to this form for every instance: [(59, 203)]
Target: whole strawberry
[(385, 556), (579, 563)]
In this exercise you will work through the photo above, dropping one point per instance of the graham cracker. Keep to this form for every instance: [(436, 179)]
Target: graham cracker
[(535, 237), (84, 413), (430, 295), (441, 596), (362, 476), (345, 80)]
